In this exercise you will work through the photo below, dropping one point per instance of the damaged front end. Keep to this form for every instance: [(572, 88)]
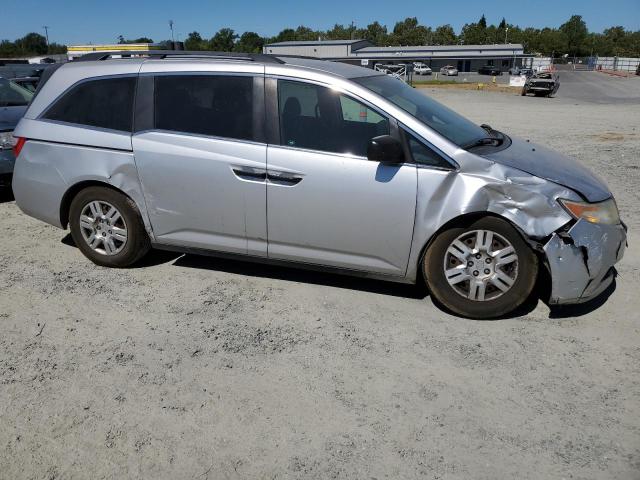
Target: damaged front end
[(581, 260)]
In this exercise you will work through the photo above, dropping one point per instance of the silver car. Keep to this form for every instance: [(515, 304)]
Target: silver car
[(322, 164), (449, 70), (13, 103)]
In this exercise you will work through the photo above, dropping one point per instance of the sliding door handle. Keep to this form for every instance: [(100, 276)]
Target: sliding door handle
[(250, 174)]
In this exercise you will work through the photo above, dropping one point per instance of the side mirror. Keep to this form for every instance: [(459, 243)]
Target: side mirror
[(385, 149)]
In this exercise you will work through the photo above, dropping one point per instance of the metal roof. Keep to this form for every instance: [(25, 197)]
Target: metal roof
[(443, 48), (300, 43)]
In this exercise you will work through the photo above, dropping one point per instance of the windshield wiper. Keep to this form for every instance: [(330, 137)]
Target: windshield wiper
[(484, 141), (495, 139)]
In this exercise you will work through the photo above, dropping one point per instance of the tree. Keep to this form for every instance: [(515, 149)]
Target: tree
[(122, 40), (444, 35), (250, 42), (409, 32), (195, 42), (575, 31), (339, 32), (473, 34), (223, 40), (503, 24), (32, 43), (482, 23), (286, 35), (305, 33), (376, 34)]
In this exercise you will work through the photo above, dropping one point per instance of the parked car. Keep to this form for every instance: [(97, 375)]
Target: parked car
[(30, 83), (336, 167), (521, 71), (13, 103), (449, 70), (542, 84), (489, 70), (421, 69)]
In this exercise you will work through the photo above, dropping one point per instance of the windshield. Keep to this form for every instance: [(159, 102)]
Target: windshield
[(446, 122), (13, 95)]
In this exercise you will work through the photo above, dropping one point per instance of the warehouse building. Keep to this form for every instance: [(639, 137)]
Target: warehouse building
[(466, 58)]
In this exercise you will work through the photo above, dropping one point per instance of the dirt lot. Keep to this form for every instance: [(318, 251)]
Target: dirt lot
[(191, 367)]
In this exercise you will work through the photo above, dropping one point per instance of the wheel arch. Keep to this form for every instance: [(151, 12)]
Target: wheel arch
[(70, 194), (465, 219)]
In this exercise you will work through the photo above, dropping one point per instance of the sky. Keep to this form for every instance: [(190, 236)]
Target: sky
[(101, 21)]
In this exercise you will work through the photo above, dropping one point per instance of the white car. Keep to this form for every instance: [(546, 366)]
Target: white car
[(449, 70), (421, 69)]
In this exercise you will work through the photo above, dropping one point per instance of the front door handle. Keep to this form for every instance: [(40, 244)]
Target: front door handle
[(284, 178)]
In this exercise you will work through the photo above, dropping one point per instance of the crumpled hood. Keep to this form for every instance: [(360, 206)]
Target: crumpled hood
[(10, 116), (550, 165)]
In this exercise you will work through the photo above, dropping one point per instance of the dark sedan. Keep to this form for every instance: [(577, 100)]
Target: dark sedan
[(489, 70)]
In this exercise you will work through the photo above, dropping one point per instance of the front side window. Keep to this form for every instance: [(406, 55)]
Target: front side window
[(318, 118), (215, 105), (104, 103), (13, 95)]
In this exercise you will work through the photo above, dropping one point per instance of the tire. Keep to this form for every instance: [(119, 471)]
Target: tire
[(130, 241), (522, 272)]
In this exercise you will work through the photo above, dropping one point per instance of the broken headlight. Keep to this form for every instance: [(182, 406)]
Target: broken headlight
[(7, 141), (605, 212)]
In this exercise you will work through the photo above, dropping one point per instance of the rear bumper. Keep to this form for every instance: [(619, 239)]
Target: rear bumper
[(581, 261)]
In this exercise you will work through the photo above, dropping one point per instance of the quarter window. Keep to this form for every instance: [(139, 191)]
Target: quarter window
[(215, 105), (104, 103), (318, 118), (424, 155)]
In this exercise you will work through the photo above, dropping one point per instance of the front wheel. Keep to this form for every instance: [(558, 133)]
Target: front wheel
[(107, 227), (482, 270)]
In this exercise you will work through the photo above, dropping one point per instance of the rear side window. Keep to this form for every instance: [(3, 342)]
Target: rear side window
[(105, 103), (215, 105)]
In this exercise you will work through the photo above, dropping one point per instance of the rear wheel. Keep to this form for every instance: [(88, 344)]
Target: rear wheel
[(107, 227), (482, 270)]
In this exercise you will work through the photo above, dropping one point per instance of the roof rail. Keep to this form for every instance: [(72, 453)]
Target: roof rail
[(162, 54)]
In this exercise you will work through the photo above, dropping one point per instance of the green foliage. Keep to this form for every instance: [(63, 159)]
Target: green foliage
[(575, 32), (249, 42), (223, 41), (124, 41), (31, 44), (444, 35)]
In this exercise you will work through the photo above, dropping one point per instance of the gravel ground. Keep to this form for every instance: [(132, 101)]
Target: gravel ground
[(191, 367)]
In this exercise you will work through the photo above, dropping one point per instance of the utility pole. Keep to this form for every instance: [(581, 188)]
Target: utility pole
[(506, 32), (46, 32), (353, 28), (171, 28)]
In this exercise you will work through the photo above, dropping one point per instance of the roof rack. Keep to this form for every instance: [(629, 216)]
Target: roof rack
[(162, 54)]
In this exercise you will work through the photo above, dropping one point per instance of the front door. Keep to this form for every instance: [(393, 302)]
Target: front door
[(201, 167), (328, 204)]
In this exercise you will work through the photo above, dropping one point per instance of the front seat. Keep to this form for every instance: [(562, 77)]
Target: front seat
[(291, 122)]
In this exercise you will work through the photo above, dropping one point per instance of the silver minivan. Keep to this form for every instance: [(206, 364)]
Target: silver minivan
[(322, 164)]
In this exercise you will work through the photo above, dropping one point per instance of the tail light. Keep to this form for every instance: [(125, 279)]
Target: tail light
[(17, 148)]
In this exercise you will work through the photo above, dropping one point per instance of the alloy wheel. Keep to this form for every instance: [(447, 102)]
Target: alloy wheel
[(103, 227), (481, 265)]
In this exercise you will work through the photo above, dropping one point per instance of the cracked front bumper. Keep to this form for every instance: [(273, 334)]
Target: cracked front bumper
[(581, 260)]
